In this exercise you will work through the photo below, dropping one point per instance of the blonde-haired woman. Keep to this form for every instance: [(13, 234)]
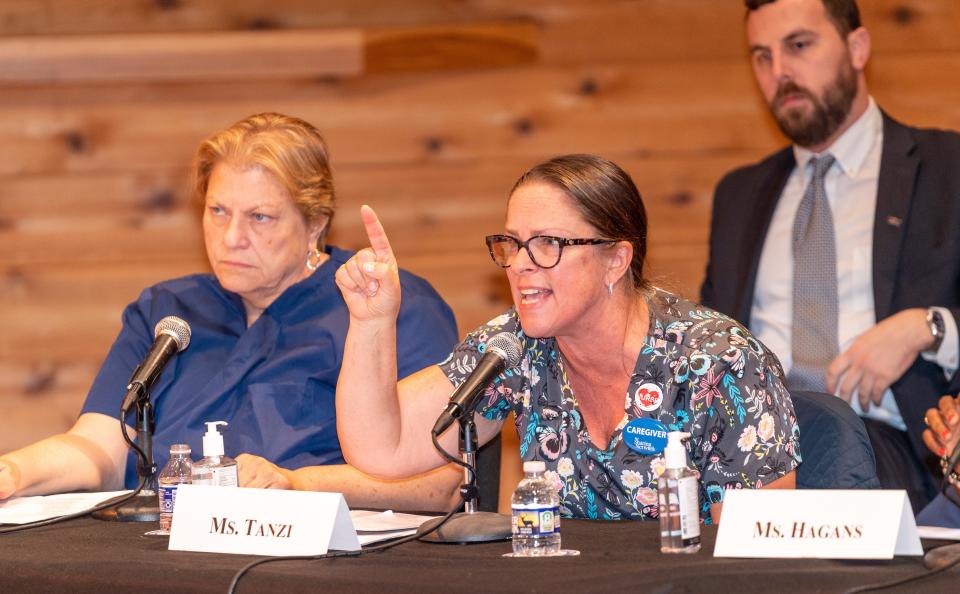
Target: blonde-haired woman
[(268, 329)]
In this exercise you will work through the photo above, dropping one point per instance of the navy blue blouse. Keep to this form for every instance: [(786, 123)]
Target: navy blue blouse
[(273, 382)]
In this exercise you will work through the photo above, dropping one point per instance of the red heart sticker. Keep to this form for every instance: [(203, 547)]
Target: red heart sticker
[(648, 397)]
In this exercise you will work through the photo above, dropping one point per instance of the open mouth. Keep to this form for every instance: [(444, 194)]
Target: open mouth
[(533, 296)]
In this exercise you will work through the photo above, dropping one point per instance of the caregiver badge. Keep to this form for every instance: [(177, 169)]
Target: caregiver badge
[(645, 436)]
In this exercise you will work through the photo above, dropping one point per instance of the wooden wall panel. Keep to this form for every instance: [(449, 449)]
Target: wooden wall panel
[(442, 105)]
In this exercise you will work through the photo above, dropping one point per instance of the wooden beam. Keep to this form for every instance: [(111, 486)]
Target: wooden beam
[(262, 55), (180, 56), (482, 45)]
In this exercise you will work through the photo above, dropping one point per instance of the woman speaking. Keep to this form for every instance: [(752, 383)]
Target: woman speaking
[(268, 329), (600, 348)]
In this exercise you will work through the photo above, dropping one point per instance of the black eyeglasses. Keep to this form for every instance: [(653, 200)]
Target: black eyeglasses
[(544, 250)]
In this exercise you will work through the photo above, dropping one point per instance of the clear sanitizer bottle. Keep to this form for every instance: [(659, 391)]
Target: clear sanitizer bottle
[(178, 471), (679, 495), (214, 468)]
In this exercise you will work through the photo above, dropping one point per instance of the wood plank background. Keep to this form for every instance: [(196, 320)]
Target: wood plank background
[(432, 108)]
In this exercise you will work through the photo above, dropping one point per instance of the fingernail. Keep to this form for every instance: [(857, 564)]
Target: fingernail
[(943, 452), (951, 419), (943, 434), (368, 267)]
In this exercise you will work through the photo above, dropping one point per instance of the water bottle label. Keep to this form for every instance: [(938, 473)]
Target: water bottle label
[(536, 520), (168, 498), (645, 436), (688, 494)]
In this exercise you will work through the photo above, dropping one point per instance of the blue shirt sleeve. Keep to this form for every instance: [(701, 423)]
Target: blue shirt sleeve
[(426, 327), (127, 352)]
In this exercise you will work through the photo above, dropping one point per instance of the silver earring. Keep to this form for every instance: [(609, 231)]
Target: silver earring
[(609, 288), (313, 259)]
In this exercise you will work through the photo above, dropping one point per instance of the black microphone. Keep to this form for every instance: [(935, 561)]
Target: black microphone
[(503, 352), (171, 335)]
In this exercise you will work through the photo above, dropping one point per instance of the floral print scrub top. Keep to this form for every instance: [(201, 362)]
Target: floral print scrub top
[(717, 382)]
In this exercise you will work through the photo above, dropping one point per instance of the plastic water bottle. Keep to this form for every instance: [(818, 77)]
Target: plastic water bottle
[(178, 470), (679, 498), (536, 514)]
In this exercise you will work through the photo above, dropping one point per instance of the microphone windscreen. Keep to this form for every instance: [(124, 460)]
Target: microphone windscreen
[(506, 345), (176, 328)]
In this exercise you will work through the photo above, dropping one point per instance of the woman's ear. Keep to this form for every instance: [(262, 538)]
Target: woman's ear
[(317, 228), (620, 255)]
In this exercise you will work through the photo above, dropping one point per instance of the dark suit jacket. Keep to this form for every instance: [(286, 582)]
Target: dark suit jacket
[(916, 244)]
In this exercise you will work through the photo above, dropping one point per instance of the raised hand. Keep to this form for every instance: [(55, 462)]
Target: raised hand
[(370, 280)]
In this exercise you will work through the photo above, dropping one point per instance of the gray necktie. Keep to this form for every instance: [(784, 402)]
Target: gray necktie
[(815, 310)]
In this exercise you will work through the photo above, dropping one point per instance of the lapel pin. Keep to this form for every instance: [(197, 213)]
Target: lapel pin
[(895, 222)]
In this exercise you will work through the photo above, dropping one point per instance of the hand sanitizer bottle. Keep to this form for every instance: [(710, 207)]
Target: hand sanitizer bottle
[(214, 468), (679, 500)]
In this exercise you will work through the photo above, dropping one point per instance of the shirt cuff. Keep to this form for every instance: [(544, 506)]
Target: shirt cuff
[(949, 351)]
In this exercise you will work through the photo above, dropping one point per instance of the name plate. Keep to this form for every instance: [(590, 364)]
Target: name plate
[(260, 521), (822, 524)]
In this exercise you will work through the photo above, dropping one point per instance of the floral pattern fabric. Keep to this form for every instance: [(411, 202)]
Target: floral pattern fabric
[(717, 382)]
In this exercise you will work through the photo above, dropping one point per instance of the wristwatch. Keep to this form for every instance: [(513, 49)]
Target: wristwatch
[(937, 329)]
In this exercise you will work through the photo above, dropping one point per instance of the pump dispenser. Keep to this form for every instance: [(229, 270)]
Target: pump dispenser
[(675, 454), (213, 440), (679, 499), (215, 468)]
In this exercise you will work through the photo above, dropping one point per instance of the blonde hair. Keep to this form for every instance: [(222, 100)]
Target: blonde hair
[(289, 148)]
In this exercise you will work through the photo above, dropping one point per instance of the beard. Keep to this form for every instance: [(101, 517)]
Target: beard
[(829, 112)]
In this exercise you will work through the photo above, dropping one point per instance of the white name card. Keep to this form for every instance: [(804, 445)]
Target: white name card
[(260, 521), (822, 524)]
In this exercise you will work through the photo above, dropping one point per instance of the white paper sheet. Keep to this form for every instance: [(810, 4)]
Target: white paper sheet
[(938, 533), (369, 538), (21, 510), (387, 521), (375, 527)]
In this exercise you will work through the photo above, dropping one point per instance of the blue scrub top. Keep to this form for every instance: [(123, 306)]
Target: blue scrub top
[(274, 382)]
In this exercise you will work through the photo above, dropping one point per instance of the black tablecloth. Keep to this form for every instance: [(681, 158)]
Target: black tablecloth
[(92, 556)]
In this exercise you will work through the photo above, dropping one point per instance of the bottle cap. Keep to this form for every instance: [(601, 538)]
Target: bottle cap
[(212, 440), (675, 453), (179, 449), (534, 466)]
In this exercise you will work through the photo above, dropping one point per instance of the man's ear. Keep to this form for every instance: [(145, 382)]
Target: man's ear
[(858, 43)]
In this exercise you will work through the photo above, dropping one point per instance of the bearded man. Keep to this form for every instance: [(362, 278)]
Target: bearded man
[(841, 252)]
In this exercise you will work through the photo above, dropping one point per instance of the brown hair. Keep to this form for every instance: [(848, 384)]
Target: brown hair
[(606, 198), (289, 148), (844, 14)]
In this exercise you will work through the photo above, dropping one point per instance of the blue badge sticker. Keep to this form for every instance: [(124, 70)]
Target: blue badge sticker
[(645, 436)]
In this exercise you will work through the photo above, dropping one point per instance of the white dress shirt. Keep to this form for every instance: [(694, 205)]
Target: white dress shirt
[(851, 186)]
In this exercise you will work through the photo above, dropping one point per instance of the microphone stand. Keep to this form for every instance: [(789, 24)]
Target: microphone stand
[(145, 507), (469, 525)]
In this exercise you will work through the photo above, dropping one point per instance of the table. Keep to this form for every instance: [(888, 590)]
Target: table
[(88, 555)]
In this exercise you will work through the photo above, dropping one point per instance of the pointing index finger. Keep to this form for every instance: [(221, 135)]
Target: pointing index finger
[(376, 234)]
